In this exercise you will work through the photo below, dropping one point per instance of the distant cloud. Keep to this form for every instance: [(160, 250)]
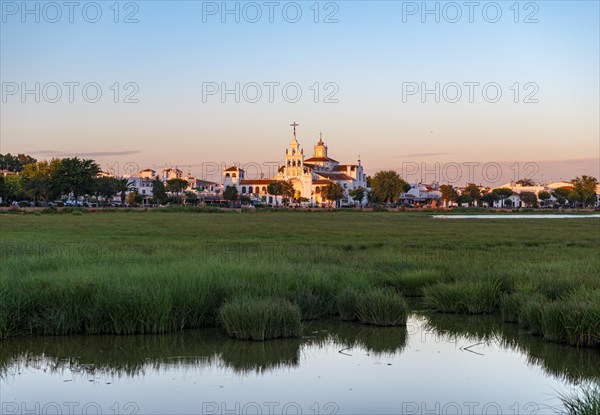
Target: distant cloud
[(53, 153), (424, 154)]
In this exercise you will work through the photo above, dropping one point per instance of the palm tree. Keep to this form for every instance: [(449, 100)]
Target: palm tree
[(123, 185)]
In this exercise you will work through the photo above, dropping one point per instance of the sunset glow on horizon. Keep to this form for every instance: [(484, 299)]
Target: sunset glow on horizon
[(194, 83)]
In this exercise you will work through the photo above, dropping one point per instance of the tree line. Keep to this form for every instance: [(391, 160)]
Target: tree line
[(48, 180), (45, 181), (582, 192)]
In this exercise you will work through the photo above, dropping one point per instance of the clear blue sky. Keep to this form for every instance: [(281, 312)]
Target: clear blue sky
[(370, 53)]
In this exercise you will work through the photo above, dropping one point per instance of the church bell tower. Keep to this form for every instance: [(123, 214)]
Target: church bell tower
[(294, 157), (320, 148)]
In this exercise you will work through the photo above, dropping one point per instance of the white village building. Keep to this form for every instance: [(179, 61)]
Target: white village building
[(142, 183)]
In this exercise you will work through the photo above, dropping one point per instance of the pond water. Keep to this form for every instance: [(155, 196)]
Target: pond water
[(516, 216), (438, 364)]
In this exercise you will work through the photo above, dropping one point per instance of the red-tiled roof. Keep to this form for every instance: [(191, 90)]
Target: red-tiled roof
[(343, 167), (335, 176), (316, 182), (233, 168), (256, 181), (317, 159), (204, 182)]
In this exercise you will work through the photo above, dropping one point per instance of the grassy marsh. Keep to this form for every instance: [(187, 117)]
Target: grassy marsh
[(154, 272)]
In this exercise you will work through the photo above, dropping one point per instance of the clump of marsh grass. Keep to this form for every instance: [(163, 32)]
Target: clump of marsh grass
[(381, 308), (410, 283), (584, 402), (260, 319), (531, 314), (196, 301), (581, 318), (574, 319), (346, 302), (511, 305), (553, 327), (464, 297), (311, 305)]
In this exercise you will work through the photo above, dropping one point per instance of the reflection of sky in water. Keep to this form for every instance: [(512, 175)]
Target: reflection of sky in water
[(432, 371)]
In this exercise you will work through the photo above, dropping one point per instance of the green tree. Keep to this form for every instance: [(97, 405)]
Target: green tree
[(230, 194), (464, 198), (38, 179), (176, 186), (529, 199), (287, 190), (544, 196), (387, 186), (561, 194), (2, 189), (16, 163), (449, 193), (503, 193), (574, 197), (490, 198), (76, 176), (473, 191), (106, 187), (11, 188), (526, 182), (357, 194), (191, 197), (134, 198), (123, 186), (586, 187), (159, 192), (275, 189), (332, 192), (245, 200)]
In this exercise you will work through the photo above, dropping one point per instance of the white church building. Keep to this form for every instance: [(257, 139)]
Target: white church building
[(309, 176)]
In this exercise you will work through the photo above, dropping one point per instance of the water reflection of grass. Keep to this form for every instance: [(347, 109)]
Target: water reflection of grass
[(375, 340), (260, 356), (134, 355), (120, 355), (574, 365)]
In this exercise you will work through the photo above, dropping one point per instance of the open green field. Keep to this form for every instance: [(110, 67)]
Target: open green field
[(150, 272)]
